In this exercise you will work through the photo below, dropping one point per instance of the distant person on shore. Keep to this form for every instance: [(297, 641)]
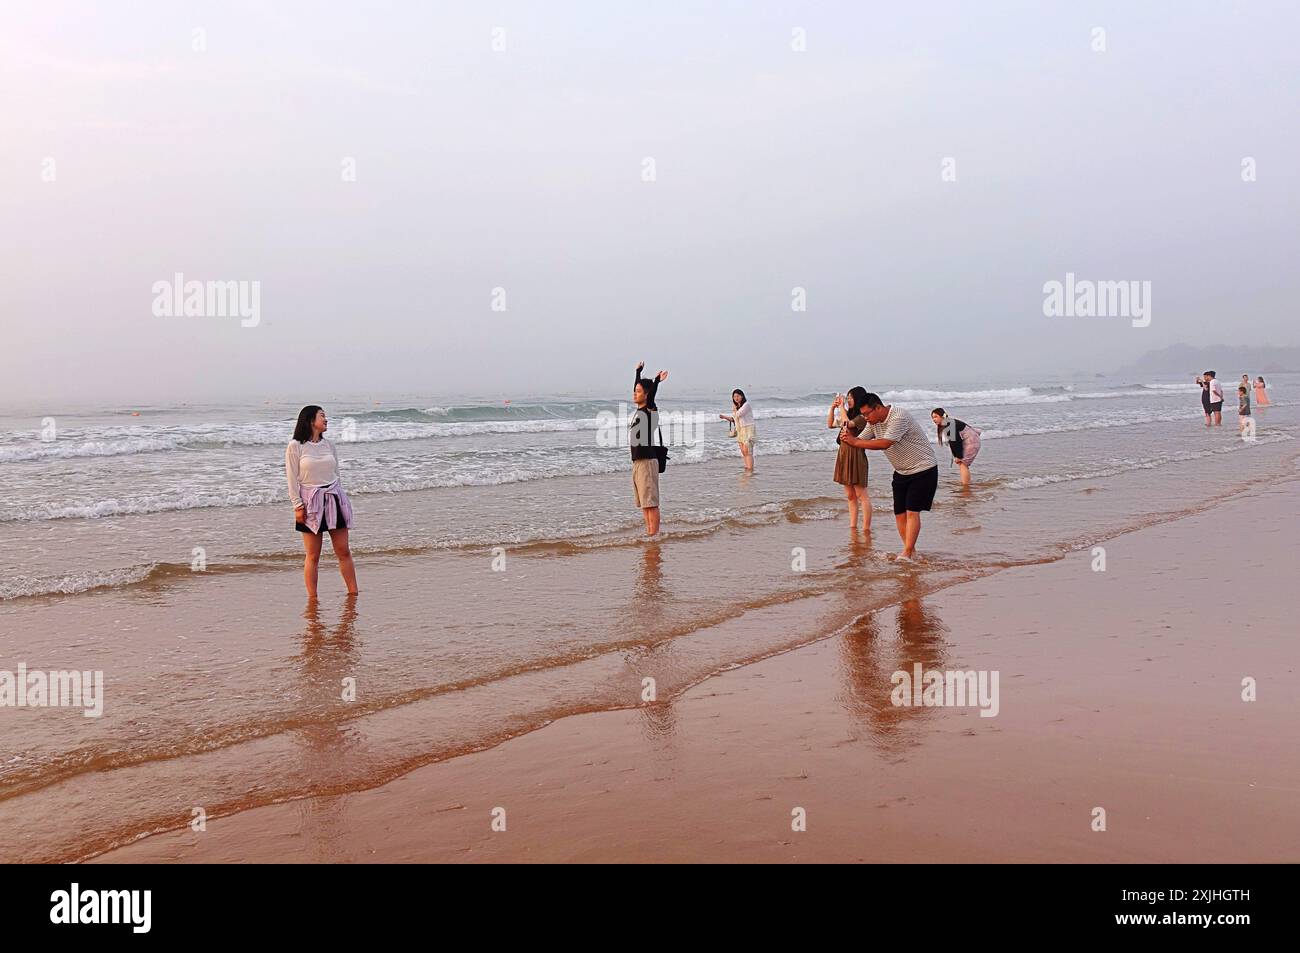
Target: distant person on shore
[(916, 470), (1261, 395), (742, 423), (963, 440), (1243, 406), (311, 468), (848, 415), (1216, 398), (649, 455), (1204, 383)]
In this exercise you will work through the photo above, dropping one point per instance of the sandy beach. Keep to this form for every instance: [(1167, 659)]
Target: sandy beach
[(1119, 689), (491, 612), (649, 434)]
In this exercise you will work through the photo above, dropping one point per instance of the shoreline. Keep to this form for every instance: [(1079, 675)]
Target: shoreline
[(701, 777)]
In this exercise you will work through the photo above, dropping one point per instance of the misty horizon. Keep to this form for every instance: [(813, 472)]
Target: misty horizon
[(390, 182)]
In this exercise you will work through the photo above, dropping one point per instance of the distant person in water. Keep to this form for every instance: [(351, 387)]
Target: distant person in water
[(647, 446), (311, 468), (963, 440), (1216, 398), (847, 415), (742, 423), (1243, 406), (1261, 395), (916, 471), (1204, 383)]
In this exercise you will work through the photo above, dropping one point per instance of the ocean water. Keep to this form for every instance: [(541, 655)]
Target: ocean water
[(109, 496), (222, 690)]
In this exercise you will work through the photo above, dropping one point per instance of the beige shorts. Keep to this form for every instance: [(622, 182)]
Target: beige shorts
[(645, 481), (746, 435)]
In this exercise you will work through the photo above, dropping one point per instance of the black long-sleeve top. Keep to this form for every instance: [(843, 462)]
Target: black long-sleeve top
[(955, 444), (645, 421)]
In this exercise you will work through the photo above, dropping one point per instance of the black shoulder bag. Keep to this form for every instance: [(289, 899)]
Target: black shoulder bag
[(661, 452)]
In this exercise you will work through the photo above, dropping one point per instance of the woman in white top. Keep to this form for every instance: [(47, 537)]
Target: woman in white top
[(311, 468), (742, 421)]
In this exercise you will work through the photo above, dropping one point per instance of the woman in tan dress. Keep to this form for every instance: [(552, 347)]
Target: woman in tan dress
[(850, 462)]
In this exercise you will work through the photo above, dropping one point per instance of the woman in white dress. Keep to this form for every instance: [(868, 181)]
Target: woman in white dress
[(742, 425)]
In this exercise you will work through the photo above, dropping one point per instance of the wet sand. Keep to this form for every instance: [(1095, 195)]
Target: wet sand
[(1118, 689)]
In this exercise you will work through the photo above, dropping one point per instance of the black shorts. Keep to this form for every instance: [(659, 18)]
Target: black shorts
[(1216, 406), (304, 528), (915, 493)]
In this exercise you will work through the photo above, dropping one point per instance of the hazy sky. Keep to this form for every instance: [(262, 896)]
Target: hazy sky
[(523, 169)]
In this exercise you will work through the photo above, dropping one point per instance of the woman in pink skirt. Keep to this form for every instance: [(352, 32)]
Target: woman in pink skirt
[(963, 440)]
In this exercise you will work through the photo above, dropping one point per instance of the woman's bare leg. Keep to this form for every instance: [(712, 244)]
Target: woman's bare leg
[(851, 495), (311, 544), (651, 514), (747, 452), (864, 500), (965, 473), (343, 552)]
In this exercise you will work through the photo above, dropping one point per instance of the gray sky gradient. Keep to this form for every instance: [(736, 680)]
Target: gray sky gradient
[(522, 169)]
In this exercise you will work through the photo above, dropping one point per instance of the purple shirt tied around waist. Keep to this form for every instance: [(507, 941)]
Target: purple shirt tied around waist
[(327, 505)]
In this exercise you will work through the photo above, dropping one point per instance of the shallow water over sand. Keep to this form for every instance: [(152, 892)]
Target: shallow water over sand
[(223, 692)]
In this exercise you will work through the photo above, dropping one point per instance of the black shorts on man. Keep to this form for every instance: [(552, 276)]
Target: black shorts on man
[(1216, 406), (915, 493)]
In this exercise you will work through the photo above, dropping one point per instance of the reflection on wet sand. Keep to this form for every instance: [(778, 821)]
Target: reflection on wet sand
[(658, 718), (659, 723), (650, 581), (859, 548), (869, 662), (329, 747), (327, 653)]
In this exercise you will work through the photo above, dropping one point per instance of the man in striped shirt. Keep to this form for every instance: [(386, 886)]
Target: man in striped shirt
[(908, 450)]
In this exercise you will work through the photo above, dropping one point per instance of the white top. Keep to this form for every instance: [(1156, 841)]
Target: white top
[(911, 452), (309, 464), (1216, 390), (744, 415)]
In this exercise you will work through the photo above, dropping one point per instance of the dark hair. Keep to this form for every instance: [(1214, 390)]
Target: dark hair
[(743, 398), (1241, 388), (302, 431), (938, 428), (650, 386), (859, 396), (871, 401), (1261, 380)]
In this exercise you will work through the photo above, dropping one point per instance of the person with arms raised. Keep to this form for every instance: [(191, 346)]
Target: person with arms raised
[(648, 454)]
